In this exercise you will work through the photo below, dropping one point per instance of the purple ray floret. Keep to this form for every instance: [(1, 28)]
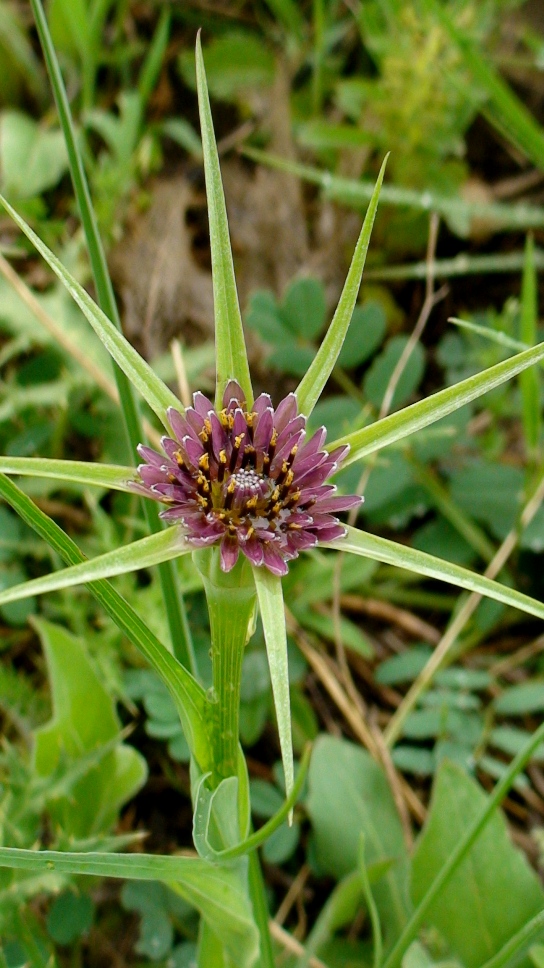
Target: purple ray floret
[(245, 478)]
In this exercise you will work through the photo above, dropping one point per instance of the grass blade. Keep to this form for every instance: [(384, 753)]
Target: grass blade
[(463, 264), (188, 695), (519, 943), (144, 553), (501, 789), (270, 596), (392, 553), (313, 383), (230, 348), (407, 421), (72, 471)]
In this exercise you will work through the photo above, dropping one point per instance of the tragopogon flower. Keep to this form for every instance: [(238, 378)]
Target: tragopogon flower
[(247, 479)]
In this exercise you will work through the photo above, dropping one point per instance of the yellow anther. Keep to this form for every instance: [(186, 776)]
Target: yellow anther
[(223, 457), (204, 462)]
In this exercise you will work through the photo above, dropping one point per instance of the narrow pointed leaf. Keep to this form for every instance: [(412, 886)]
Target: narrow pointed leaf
[(149, 551), (313, 383), (72, 471), (143, 378), (392, 553), (230, 348), (407, 421), (270, 596), (187, 693), (219, 893)]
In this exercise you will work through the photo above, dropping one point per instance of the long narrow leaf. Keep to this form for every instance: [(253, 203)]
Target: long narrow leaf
[(392, 553), (399, 425), (313, 383), (230, 348), (144, 553), (270, 596), (144, 379), (187, 693), (72, 471), (516, 946), (219, 893)]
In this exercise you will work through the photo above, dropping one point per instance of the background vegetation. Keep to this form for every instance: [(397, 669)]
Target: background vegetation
[(385, 667)]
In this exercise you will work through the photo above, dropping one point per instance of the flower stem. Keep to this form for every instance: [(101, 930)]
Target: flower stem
[(231, 606)]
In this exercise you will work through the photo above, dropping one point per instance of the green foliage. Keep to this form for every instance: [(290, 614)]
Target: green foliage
[(493, 893), (83, 720)]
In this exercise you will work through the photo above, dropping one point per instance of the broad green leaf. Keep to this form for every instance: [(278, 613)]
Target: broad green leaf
[(143, 378), (524, 698), (313, 383), (399, 425), (458, 213), (349, 795), (219, 893), (84, 718), (530, 379), (32, 157), (69, 917), (461, 849), (230, 348), (493, 892), (270, 596), (402, 556), (304, 307), (72, 471), (149, 551), (189, 696)]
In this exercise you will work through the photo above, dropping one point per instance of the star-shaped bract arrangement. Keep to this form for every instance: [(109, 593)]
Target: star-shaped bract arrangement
[(247, 478)]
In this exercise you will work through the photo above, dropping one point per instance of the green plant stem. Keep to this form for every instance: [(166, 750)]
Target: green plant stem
[(456, 858), (175, 610), (231, 605)]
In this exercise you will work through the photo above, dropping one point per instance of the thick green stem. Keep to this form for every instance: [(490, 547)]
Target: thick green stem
[(231, 606)]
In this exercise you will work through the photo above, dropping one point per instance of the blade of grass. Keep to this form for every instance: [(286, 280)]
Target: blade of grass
[(270, 596), (358, 193), (188, 695), (392, 553), (173, 601), (398, 425), (230, 348), (529, 380), (313, 383), (144, 553), (71, 471), (456, 858)]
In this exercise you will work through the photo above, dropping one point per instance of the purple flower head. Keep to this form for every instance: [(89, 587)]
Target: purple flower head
[(246, 479)]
